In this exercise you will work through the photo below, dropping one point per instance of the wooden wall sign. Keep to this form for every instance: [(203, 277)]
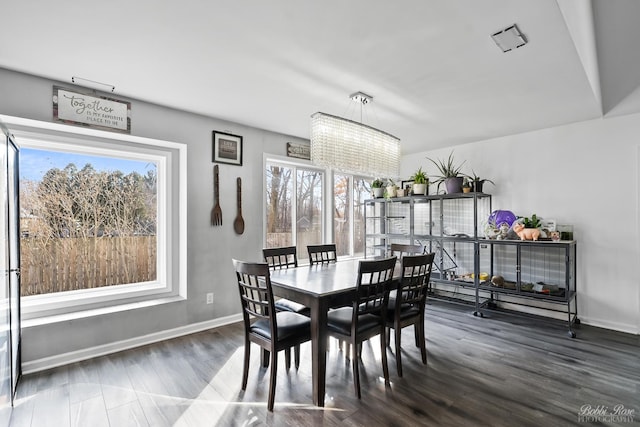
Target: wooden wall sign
[(91, 110), (299, 150)]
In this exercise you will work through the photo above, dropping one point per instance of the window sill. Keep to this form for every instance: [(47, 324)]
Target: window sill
[(83, 314)]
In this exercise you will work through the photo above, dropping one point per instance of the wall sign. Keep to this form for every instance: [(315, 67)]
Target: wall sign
[(91, 110), (299, 150)]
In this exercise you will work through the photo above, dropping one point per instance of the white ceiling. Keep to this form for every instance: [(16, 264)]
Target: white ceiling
[(436, 76)]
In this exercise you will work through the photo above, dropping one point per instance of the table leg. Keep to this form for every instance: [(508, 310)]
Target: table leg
[(319, 349)]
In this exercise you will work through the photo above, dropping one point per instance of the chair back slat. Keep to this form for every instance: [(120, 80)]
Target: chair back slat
[(374, 283), (416, 273), (400, 250), (254, 286), (278, 258), (322, 253)]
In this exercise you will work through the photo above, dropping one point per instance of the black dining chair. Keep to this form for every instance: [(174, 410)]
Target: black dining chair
[(279, 258), (407, 306), (272, 330), (366, 317), (400, 250), (322, 254)]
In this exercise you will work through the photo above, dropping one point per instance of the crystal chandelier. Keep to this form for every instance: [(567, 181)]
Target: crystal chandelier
[(353, 147)]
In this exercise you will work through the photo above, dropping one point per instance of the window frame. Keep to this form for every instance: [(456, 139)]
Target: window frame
[(171, 237)]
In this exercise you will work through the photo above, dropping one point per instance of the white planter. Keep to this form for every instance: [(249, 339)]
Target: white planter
[(378, 192), (419, 189), (391, 191)]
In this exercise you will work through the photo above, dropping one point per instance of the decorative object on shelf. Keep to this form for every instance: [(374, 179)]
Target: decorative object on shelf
[(466, 185), (391, 188), (420, 182), (526, 233), (477, 182), (499, 223), (227, 148), (400, 192), (566, 231), (353, 147), (449, 174), (376, 188)]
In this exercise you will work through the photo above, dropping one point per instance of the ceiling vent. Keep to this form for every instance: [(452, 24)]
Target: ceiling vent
[(509, 38)]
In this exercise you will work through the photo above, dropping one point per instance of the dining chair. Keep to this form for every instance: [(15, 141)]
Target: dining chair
[(366, 317), (279, 258), (400, 250), (407, 306), (322, 253), (272, 330)]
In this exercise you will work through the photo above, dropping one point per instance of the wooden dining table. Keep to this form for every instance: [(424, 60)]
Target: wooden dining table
[(319, 287)]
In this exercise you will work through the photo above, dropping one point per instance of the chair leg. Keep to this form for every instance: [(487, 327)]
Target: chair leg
[(383, 350), (265, 358), (245, 369), (272, 380), (287, 358), (296, 353), (355, 361), (388, 335), (398, 334), (423, 346)]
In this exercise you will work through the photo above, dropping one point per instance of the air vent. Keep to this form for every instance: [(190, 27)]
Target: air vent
[(508, 39)]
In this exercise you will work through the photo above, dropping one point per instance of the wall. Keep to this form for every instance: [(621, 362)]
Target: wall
[(585, 174), (210, 249)]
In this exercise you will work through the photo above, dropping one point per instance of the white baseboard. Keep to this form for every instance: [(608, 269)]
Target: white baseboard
[(101, 350)]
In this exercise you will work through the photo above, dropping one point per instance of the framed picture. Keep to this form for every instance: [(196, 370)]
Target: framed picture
[(227, 148)]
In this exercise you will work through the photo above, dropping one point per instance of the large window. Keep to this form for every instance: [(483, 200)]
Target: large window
[(103, 219), (295, 213), (86, 221), (294, 208)]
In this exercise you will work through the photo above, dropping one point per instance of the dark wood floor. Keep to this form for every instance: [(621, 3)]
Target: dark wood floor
[(497, 371)]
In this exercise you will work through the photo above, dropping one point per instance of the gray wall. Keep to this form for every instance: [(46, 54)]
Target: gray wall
[(209, 249)]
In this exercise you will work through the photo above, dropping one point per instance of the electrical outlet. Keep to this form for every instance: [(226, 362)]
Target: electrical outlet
[(210, 298)]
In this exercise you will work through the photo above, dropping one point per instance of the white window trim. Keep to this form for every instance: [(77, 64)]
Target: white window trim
[(171, 158)]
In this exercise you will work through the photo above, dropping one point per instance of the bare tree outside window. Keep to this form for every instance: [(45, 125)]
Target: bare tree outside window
[(87, 228)]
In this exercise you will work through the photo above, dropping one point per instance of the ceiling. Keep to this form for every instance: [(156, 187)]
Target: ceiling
[(435, 74)]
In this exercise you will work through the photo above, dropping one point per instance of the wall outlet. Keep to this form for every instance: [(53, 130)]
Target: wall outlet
[(210, 298)]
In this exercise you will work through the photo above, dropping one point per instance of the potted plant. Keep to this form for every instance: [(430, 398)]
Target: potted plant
[(477, 182), (528, 229), (466, 185), (391, 188), (420, 182), (376, 187), (449, 174)]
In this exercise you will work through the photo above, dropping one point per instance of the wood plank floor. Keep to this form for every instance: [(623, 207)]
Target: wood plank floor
[(499, 370)]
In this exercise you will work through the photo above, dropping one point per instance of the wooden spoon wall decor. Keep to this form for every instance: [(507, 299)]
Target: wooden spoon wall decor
[(238, 224)]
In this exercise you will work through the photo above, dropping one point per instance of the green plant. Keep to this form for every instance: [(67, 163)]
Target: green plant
[(447, 169), (466, 183), (419, 177), (476, 178), (534, 222), (377, 183), (390, 183)]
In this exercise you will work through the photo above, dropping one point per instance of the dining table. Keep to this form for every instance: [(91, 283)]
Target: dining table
[(319, 287)]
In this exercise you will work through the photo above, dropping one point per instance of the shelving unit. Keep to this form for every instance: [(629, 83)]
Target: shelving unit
[(539, 275)]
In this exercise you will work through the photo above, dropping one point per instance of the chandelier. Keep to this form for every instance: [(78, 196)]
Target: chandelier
[(353, 147)]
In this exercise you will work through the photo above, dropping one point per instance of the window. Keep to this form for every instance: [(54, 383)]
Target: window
[(298, 221), (294, 208), (103, 219), (349, 193)]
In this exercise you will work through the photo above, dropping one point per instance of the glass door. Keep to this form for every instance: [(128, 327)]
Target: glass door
[(9, 275)]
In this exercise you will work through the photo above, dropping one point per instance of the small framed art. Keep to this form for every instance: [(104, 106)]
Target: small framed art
[(227, 148)]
